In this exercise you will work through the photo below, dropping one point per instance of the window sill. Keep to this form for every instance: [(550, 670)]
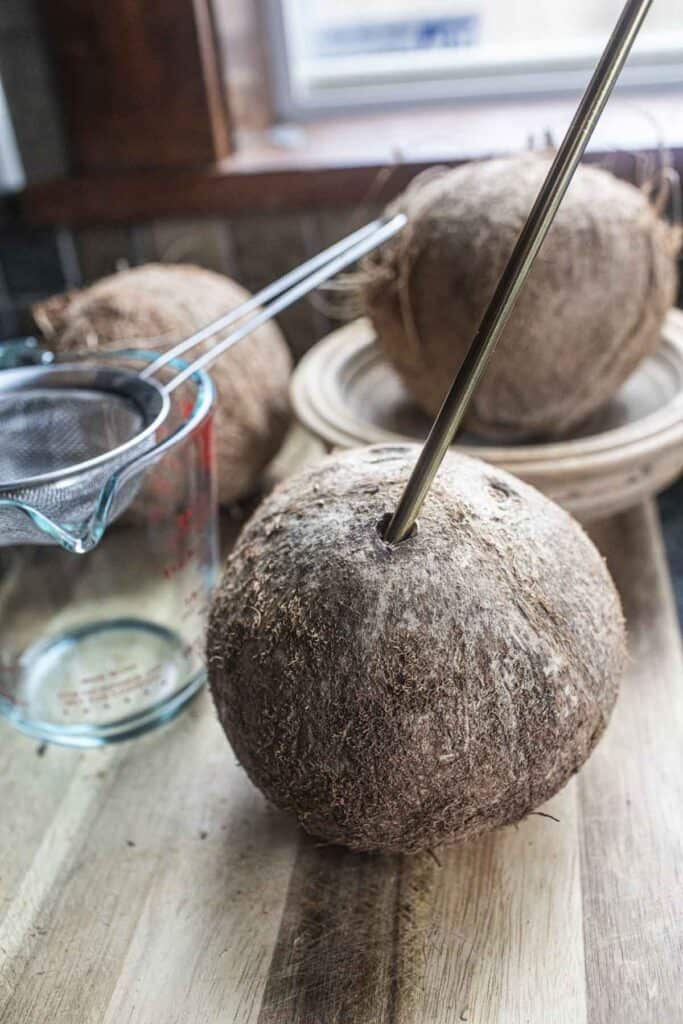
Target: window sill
[(347, 160)]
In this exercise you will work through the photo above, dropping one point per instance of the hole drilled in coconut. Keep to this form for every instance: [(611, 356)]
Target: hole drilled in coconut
[(382, 525)]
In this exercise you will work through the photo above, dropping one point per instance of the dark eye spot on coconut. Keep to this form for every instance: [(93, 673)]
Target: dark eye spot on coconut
[(389, 454), (502, 490), (382, 526)]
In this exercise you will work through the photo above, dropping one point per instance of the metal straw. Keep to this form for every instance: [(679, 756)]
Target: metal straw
[(512, 280)]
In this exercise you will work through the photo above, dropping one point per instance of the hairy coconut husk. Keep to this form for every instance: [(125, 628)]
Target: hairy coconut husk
[(400, 698), (153, 306), (590, 311)]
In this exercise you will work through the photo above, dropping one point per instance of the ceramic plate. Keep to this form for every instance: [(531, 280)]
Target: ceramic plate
[(346, 394)]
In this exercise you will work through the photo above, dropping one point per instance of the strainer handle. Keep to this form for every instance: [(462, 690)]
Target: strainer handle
[(261, 297), (381, 231)]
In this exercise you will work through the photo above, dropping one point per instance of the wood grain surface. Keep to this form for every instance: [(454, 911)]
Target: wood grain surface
[(150, 883)]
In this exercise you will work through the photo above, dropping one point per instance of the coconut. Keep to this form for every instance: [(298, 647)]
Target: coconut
[(153, 306), (591, 310), (397, 698)]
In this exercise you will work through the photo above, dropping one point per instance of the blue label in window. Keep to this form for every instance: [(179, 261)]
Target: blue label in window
[(396, 36)]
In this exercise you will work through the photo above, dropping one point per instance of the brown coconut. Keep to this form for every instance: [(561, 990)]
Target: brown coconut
[(400, 698), (153, 306), (590, 311)]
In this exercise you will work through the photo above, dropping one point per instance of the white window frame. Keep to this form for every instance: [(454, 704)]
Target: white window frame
[(345, 85), (11, 169)]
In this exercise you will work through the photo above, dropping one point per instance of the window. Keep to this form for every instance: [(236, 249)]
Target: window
[(341, 54)]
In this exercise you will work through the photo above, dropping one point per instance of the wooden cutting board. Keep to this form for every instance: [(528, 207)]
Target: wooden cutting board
[(149, 883)]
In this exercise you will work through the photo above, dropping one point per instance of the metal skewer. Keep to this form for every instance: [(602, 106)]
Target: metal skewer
[(513, 277)]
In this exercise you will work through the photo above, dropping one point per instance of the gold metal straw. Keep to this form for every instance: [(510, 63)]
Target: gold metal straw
[(513, 277)]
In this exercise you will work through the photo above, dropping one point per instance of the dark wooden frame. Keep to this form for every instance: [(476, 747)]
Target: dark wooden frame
[(244, 185), (140, 82)]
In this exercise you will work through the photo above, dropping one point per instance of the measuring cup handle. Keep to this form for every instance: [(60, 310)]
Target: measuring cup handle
[(23, 352)]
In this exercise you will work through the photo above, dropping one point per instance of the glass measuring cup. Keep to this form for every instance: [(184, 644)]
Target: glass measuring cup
[(104, 644)]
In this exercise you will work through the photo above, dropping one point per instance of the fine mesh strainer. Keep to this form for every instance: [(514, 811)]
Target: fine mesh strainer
[(76, 438), (66, 430)]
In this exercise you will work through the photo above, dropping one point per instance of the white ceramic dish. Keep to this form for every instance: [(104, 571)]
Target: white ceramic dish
[(346, 394)]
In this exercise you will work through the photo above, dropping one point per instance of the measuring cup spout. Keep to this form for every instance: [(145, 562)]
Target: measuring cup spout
[(72, 507), (75, 511), (91, 506), (21, 522)]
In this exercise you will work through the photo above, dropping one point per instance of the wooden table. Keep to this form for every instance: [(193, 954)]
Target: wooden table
[(149, 883)]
